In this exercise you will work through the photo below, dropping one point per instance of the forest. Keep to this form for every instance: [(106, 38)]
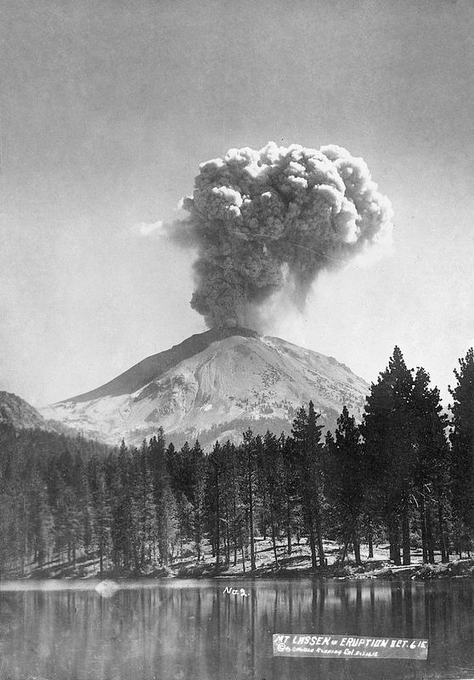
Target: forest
[(404, 475)]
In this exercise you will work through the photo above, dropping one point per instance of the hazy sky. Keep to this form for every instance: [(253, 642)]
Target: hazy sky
[(107, 109)]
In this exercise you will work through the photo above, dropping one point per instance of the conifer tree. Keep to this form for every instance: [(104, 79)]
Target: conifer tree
[(308, 451), (102, 509), (234, 493), (273, 481), (42, 518), (345, 481), (249, 465), (462, 441), (179, 467), (431, 471), (166, 511), (122, 528), (198, 498), (144, 509), (292, 499), (8, 538), (388, 434), (214, 500)]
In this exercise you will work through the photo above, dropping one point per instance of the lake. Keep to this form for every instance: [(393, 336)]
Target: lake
[(183, 629)]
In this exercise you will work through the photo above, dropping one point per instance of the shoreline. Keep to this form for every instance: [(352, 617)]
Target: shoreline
[(370, 569), (382, 570)]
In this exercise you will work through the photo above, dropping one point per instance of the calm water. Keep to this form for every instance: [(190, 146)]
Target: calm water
[(183, 630)]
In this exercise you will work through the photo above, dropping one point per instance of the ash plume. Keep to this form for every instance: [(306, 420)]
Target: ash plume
[(269, 221)]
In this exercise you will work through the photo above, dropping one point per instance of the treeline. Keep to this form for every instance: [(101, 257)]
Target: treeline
[(404, 475)]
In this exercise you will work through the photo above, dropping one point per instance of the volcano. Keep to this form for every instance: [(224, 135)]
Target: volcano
[(213, 386)]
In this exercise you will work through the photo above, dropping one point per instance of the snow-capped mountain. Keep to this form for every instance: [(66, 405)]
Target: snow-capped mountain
[(214, 386)]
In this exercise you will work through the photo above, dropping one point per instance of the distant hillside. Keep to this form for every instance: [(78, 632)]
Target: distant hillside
[(21, 415), (17, 412)]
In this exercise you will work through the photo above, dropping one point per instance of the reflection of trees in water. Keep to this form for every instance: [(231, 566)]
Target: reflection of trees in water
[(201, 633), (450, 627)]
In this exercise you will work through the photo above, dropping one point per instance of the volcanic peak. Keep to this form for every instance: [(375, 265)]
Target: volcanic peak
[(215, 385), (155, 366)]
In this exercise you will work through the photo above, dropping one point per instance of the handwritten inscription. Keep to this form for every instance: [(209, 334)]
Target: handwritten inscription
[(235, 591), (345, 646)]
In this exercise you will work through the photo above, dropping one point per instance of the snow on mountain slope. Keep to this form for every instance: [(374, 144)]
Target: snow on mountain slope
[(213, 386)]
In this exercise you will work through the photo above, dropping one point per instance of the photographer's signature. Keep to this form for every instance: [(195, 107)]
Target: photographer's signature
[(235, 591)]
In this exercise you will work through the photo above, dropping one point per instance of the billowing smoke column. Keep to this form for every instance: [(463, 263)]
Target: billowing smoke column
[(269, 220)]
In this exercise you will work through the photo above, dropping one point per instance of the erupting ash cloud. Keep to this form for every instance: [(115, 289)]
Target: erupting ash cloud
[(269, 221)]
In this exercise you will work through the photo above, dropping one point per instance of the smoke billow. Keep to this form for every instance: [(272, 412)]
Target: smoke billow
[(269, 221)]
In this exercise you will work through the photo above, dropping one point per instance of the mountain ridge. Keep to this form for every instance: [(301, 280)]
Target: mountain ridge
[(17, 412), (214, 384), (156, 364)]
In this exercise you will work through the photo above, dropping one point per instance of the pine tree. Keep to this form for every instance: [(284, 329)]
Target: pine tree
[(291, 495), (389, 445), (198, 498), (345, 481), (431, 471), (165, 503), (462, 441), (272, 481), (8, 538), (144, 509), (214, 500), (181, 474), (42, 518), (307, 451), (234, 494), (249, 459), (122, 526), (99, 475)]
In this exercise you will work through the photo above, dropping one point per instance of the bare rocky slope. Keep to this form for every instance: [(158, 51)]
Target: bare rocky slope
[(214, 385)]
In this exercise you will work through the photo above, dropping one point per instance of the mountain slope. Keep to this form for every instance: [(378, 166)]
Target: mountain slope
[(214, 385), (153, 367), (17, 412)]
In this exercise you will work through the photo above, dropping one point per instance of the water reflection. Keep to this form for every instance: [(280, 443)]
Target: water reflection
[(183, 630)]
